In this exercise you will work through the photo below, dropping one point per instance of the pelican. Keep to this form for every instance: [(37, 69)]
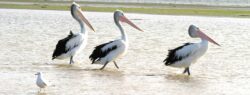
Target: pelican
[(70, 45), (184, 55), (110, 51)]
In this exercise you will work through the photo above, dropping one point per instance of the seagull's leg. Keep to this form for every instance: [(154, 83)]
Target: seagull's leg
[(71, 60), (104, 65), (40, 89), (116, 65), (186, 71)]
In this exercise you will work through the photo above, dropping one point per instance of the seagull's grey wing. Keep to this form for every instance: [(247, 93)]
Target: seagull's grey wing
[(44, 84)]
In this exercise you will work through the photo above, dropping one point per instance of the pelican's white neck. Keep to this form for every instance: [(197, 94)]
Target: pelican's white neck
[(74, 10), (82, 27), (204, 42), (123, 33)]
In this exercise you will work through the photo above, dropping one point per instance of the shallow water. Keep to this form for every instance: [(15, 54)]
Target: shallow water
[(28, 38)]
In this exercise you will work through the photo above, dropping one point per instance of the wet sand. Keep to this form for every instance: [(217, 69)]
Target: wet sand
[(28, 38)]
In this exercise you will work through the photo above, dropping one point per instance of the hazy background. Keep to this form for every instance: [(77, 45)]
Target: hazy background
[(202, 2)]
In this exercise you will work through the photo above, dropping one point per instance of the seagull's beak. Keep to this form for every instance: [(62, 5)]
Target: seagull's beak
[(80, 14), (204, 36), (124, 19), (36, 74)]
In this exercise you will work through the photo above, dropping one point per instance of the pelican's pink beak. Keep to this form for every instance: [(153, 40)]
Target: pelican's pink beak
[(124, 19), (79, 13), (204, 36)]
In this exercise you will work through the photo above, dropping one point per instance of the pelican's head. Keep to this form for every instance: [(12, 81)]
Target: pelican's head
[(76, 12), (74, 8), (192, 31), (195, 32), (119, 16), (38, 73)]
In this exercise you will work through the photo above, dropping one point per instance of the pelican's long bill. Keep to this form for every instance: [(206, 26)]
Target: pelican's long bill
[(79, 13), (204, 36), (124, 19)]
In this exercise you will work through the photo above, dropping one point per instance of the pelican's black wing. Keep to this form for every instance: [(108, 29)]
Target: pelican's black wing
[(61, 46), (173, 57), (99, 53)]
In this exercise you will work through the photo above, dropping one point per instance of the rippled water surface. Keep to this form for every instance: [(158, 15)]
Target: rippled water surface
[(28, 38)]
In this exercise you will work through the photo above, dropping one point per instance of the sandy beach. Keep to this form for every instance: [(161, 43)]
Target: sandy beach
[(28, 38)]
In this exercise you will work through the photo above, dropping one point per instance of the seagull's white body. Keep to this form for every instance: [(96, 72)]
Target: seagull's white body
[(40, 81)]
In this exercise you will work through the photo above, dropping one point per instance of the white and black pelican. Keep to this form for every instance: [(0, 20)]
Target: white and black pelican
[(184, 55), (108, 52), (69, 46)]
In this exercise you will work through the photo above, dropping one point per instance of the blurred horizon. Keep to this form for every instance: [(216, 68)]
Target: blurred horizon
[(242, 3), (198, 2), (167, 7)]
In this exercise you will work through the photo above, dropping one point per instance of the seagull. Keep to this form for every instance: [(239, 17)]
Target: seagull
[(40, 82), (183, 56)]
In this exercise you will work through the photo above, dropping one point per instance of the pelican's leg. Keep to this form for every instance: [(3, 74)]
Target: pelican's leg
[(71, 60), (104, 65), (186, 71), (116, 65)]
